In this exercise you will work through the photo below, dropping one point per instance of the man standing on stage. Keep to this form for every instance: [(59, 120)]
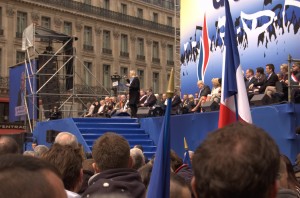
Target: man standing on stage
[(134, 92)]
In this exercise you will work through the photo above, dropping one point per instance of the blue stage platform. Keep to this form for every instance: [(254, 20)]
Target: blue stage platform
[(280, 121)]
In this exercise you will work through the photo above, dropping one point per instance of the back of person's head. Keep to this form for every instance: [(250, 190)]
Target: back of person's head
[(139, 147), (8, 145), (66, 138), (29, 153), (239, 160), (137, 158), (178, 187), (260, 70), (176, 161), (111, 151), (40, 150), (26, 177), (287, 176), (145, 173), (68, 161)]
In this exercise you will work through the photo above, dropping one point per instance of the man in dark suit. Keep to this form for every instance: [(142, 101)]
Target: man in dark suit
[(134, 92), (150, 100), (268, 87), (250, 80), (176, 101), (204, 90)]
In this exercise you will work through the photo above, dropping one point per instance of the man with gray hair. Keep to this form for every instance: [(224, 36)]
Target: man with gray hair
[(40, 149), (66, 138), (138, 158)]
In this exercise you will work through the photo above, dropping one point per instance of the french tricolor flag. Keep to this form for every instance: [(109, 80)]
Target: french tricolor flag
[(234, 104)]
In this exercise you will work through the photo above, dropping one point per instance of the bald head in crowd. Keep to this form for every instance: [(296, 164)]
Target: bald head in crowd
[(66, 138), (8, 145), (239, 160)]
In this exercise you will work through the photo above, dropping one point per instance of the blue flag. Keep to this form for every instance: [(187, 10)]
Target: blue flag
[(186, 159), (159, 185)]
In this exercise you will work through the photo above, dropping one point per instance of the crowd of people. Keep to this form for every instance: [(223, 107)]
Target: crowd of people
[(239, 160)]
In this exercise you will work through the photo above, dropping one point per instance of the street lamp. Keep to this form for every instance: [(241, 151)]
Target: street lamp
[(115, 79)]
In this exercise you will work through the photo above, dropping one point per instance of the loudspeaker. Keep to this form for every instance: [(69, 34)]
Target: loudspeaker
[(209, 106), (143, 112), (260, 99)]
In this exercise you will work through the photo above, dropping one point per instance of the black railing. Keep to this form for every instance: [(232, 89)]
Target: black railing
[(140, 57), (124, 54), (88, 47), (170, 62), (107, 14), (106, 51), (155, 60)]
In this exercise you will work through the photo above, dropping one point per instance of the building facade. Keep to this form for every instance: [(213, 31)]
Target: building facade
[(114, 36)]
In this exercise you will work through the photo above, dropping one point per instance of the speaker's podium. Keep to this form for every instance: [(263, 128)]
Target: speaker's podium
[(260, 99), (209, 106)]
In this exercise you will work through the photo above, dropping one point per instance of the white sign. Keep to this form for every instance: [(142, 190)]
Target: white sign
[(20, 110), (116, 83)]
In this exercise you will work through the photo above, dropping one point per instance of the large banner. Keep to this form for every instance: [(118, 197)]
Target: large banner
[(19, 81), (267, 32)]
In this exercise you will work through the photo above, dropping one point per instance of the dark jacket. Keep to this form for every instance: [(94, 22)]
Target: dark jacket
[(134, 91), (120, 181), (205, 91), (150, 100), (269, 81)]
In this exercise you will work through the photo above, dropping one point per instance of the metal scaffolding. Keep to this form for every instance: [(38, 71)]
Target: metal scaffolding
[(177, 67)]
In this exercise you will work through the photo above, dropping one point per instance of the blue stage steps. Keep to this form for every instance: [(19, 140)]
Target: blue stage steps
[(92, 128)]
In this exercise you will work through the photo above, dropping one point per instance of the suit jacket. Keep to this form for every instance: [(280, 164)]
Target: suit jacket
[(270, 81), (175, 104), (150, 101), (134, 91), (249, 82), (205, 91), (260, 81)]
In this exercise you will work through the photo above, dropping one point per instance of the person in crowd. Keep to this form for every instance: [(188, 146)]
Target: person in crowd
[(247, 166), (215, 94), (93, 109), (134, 93), (142, 149), (178, 187), (121, 106), (145, 172), (68, 161), (249, 78), (204, 90), (295, 82), (88, 172), (113, 167), (29, 153), (138, 159), (26, 177), (103, 109), (8, 145), (260, 78), (40, 150), (182, 170), (184, 104), (143, 97), (66, 138), (287, 179), (175, 104), (150, 100), (269, 85)]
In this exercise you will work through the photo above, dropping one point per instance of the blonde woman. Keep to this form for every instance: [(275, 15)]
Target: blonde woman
[(216, 91)]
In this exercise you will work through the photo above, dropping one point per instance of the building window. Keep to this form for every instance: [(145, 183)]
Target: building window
[(124, 45), (87, 2), (155, 17), (140, 13), (46, 22), (155, 52), (123, 8), (140, 49), (87, 74), (155, 84), (106, 42), (123, 73), (141, 76), (170, 58), (169, 21), (1, 28), (20, 57), (21, 23), (106, 4), (68, 28), (106, 76), (88, 39), (0, 62)]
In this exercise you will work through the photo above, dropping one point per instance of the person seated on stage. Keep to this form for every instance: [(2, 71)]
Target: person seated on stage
[(268, 86), (150, 100), (249, 79), (204, 90), (260, 78), (295, 82), (215, 92), (176, 101), (93, 109), (121, 106), (185, 104), (143, 97), (102, 109)]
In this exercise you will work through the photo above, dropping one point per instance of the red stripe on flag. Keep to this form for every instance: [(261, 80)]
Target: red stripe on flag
[(226, 117)]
